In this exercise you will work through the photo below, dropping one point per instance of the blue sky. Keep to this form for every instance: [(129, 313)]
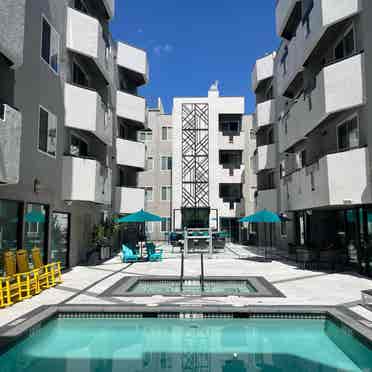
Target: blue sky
[(194, 42)]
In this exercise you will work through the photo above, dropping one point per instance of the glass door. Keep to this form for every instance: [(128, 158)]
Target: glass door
[(60, 238), (366, 237), (36, 223)]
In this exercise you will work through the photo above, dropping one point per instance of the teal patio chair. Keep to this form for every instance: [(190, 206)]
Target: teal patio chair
[(152, 255), (128, 255)]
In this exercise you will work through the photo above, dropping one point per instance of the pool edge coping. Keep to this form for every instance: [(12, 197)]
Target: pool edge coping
[(22, 326)]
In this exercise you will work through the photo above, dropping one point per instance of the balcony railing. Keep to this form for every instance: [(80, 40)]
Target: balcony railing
[(85, 36), (131, 107), (323, 183), (130, 153), (265, 114), (86, 111), (264, 158), (86, 180), (134, 61), (129, 200), (263, 70)]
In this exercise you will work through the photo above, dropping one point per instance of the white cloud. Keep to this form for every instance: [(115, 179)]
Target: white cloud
[(163, 49), (140, 31)]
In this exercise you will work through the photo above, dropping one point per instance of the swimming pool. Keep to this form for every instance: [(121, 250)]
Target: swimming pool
[(195, 345), (192, 286)]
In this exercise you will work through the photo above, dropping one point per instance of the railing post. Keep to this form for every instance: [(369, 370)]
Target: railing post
[(182, 270), (202, 272)]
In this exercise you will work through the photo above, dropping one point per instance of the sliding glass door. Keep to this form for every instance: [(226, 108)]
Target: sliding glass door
[(60, 238)]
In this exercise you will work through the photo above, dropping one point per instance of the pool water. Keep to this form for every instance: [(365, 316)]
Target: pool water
[(192, 287), (193, 345)]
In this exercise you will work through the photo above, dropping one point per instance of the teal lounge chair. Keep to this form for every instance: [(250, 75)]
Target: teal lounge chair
[(152, 255), (128, 255)]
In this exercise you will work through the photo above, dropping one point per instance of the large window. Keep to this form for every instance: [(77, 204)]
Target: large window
[(348, 134), (10, 223), (50, 45), (166, 193), (166, 133), (78, 146), (149, 193), (346, 46), (165, 163), (60, 238), (165, 224), (35, 231), (149, 163), (47, 132)]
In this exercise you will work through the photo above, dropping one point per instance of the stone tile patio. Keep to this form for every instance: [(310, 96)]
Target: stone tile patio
[(83, 284)]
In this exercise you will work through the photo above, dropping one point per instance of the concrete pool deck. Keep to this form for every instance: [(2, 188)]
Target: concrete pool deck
[(83, 285)]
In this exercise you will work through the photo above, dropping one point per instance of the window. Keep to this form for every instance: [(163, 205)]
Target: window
[(348, 134), (284, 60), (301, 159), (283, 228), (166, 133), (79, 76), (346, 46), (165, 224), (47, 132), (312, 181), (149, 194), (165, 163), (166, 192), (149, 163), (80, 5), (50, 45), (78, 147), (2, 111), (144, 136)]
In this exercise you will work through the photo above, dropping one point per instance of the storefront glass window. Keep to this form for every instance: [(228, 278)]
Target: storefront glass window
[(35, 227), (60, 238), (9, 222)]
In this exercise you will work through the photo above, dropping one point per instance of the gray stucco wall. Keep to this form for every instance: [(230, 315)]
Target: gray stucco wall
[(156, 177), (12, 20)]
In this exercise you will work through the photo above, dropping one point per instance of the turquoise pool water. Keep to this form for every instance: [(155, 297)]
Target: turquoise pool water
[(226, 345), (192, 287)]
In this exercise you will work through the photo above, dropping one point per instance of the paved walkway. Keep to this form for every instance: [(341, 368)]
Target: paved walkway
[(83, 284)]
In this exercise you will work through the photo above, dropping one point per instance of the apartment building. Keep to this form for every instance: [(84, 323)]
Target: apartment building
[(156, 180), (321, 79), (77, 93), (210, 135), (264, 161)]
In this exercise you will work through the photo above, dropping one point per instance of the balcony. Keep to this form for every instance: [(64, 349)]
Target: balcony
[(10, 144), (265, 114), (230, 175), (85, 37), (12, 29), (328, 97), (134, 62), (262, 71), (326, 13), (264, 158), (85, 111), (324, 184), (267, 199), (231, 142), (288, 16), (130, 153), (129, 200), (131, 107), (85, 180)]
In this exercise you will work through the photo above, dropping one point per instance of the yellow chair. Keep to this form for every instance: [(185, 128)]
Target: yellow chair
[(9, 284), (46, 272), (28, 279)]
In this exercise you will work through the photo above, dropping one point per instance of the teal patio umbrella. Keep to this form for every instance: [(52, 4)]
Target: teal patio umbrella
[(264, 216), (140, 217)]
